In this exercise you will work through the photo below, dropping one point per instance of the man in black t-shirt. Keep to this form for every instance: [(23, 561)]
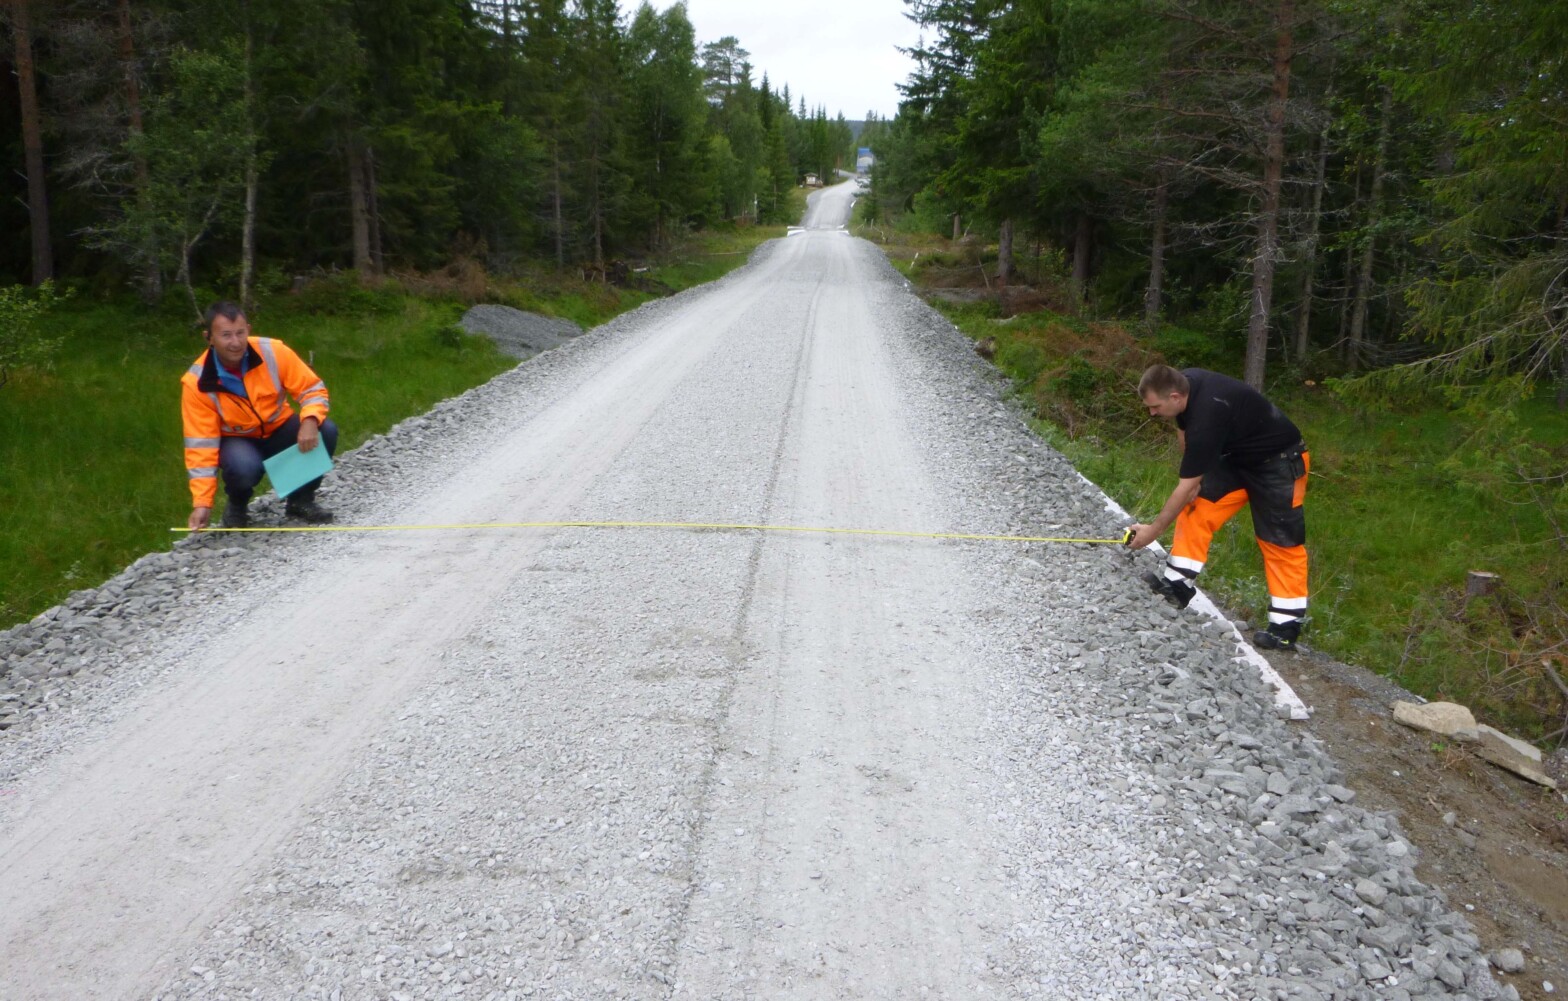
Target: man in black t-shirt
[(1237, 449)]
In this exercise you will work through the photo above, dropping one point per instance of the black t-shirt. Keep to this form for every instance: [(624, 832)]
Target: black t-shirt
[(1226, 418)]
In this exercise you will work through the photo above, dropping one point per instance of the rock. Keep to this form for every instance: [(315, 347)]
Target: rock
[(1340, 793), (1508, 960), (1447, 718), (1294, 805), (1371, 892), (1393, 939), (1500, 751), (1525, 748), (1450, 974), (1375, 970)]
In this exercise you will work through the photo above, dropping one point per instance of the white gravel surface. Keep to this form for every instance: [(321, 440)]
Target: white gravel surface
[(707, 765)]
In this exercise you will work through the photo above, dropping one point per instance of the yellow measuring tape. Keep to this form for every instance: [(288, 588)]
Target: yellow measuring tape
[(717, 526)]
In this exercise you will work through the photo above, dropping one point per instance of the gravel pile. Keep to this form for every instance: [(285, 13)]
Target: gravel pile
[(1155, 829), (517, 333)]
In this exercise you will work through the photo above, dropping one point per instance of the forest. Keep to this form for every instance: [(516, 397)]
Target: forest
[(170, 146), (1341, 185)]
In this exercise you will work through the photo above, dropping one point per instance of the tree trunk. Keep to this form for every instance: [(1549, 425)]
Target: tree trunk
[(510, 48), (1358, 318), (248, 235), (555, 198), (596, 204), (1348, 284), (152, 274), (1153, 295), (956, 231), (248, 228), (183, 275), (1004, 255), (32, 145), (359, 209), (1083, 247), (373, 212), (1263, 265), (1309, 251)]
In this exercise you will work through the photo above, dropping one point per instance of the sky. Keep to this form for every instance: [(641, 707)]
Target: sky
[(840, 54)]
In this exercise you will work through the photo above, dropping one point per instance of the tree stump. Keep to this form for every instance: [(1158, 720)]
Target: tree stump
[(1480, 583)]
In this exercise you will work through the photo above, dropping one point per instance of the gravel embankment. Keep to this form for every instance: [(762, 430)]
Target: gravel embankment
[(1021, 777), (518, 333)]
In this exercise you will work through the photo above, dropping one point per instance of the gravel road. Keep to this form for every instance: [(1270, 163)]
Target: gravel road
[(689, 764)]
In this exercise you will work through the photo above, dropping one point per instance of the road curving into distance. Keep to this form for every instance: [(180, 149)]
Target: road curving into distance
[(600, 763)]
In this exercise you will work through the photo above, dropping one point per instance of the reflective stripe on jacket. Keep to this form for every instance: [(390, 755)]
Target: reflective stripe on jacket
[(273, 374)]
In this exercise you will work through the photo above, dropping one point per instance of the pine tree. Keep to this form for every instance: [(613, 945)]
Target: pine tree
[(665, 121), (1498, 306)]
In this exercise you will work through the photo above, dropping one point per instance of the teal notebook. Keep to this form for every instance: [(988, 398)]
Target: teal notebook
[(291, 469)]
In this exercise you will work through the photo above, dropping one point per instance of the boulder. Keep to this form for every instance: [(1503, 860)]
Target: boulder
[(1525, 748), (1500, 751), (1446, 718), (1508, 960)]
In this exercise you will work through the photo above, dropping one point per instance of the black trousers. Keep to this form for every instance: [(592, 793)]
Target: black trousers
[(240, 459), (1277, 515)]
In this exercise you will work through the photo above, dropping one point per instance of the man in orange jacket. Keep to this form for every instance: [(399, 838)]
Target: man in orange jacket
[(235, 407), (1237, 449)]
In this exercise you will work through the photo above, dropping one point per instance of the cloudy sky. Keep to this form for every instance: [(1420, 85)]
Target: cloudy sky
[(838, 53)]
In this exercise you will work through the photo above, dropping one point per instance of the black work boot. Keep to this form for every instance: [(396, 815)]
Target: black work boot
[(1177, 592), (306, 509), (236, 514), (1278, 636)]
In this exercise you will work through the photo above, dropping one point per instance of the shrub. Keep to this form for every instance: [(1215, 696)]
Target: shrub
[(1185, 348), (341, 294), (1022, 360), (21, 344)]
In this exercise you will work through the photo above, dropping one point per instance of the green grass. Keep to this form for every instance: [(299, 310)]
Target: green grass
[(93, 471), (1402, 502)]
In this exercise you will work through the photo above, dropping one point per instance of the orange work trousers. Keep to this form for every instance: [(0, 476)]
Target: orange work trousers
[(1276, 491)]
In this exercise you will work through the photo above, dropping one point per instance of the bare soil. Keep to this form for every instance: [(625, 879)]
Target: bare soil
[(1504, 861)]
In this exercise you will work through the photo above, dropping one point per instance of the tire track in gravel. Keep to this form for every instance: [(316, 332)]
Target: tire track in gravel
[(740, 622), (842, 860)]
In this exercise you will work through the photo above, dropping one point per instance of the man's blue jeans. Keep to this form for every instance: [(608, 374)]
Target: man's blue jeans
[(240, 459)]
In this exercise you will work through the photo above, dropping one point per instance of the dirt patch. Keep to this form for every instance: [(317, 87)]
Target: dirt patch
[(1503, 861)]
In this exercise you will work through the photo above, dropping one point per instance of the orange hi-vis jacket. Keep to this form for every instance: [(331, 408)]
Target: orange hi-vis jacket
[(273, 372)]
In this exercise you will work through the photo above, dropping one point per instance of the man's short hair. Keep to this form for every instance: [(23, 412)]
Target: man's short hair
[(230, 311), (1163, 381)]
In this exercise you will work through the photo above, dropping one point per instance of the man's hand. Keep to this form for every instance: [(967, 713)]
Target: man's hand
[(1186, 490), (200, 516), (309, 434), (1143, 535)]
